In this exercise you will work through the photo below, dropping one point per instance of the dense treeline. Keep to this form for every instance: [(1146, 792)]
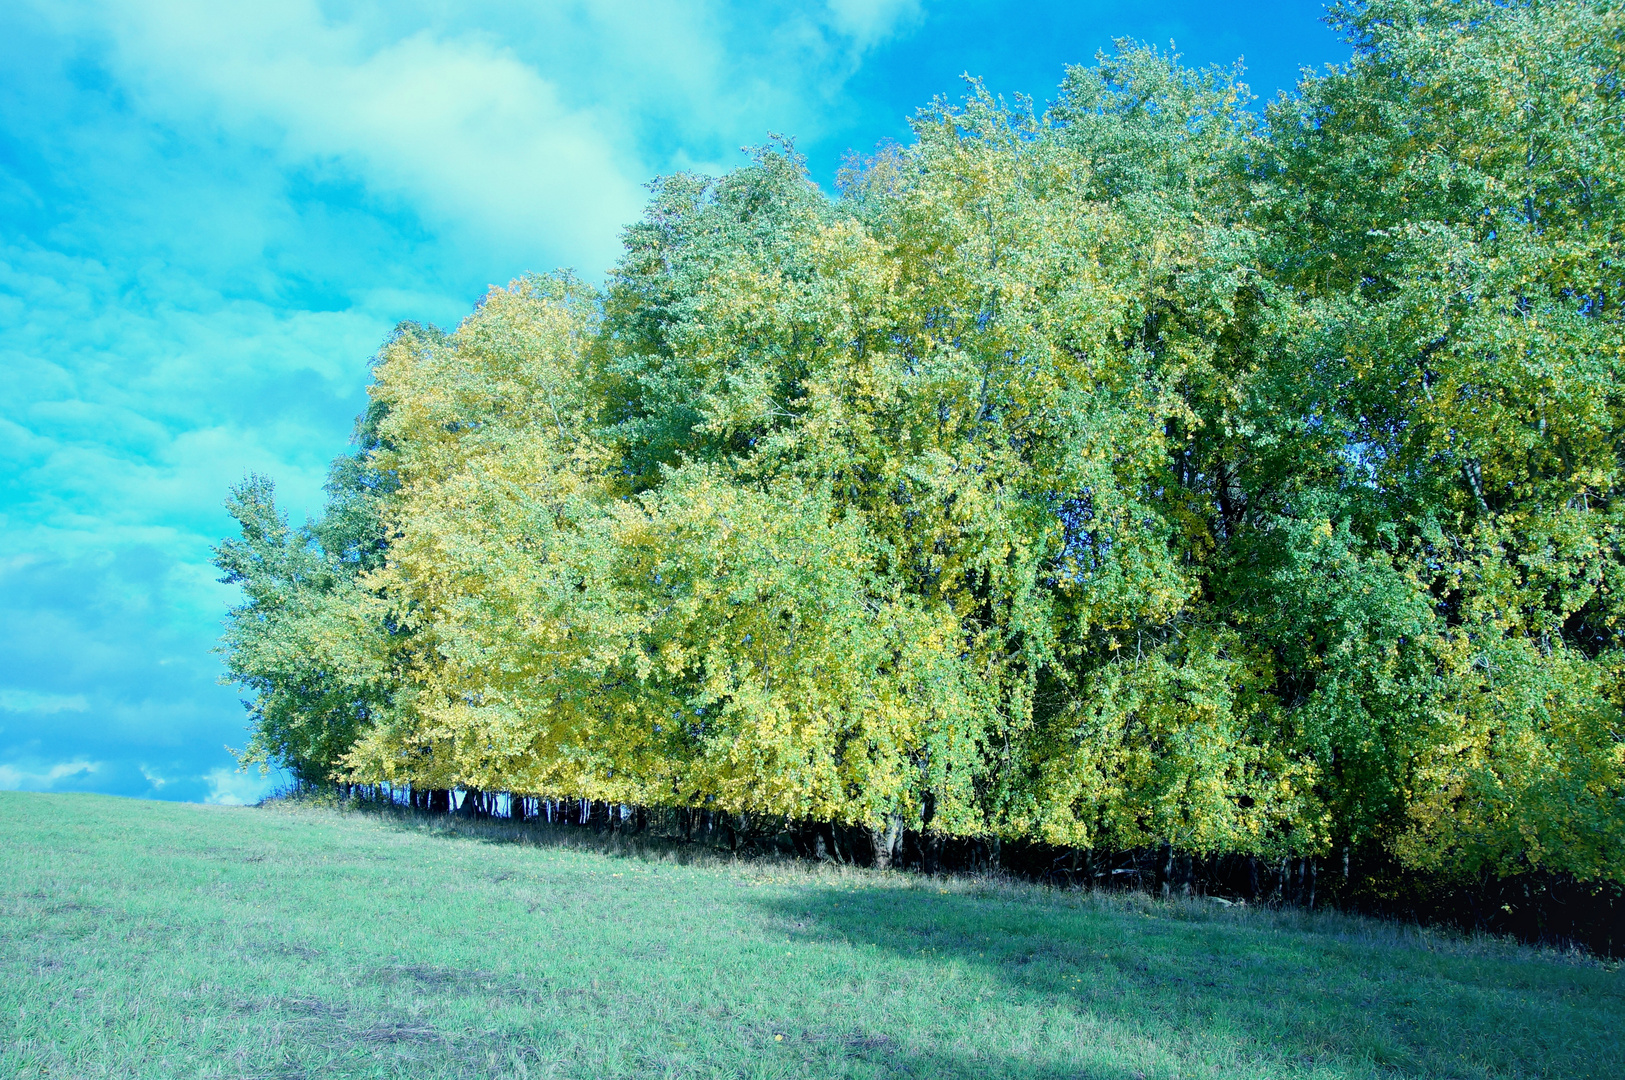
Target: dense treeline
[(1140, 473)]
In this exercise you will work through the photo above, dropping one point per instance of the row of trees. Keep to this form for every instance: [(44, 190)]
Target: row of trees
[(1139, 471)]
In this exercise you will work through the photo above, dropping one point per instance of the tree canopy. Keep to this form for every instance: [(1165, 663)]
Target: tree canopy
[(1141, 469)]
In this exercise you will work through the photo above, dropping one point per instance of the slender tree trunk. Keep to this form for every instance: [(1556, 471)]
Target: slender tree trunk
[(886, 840), (928, 839)]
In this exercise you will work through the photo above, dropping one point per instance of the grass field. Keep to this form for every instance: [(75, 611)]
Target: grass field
[(142, 939)]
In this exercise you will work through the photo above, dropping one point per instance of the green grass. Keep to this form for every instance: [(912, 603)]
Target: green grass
[(143, 939)]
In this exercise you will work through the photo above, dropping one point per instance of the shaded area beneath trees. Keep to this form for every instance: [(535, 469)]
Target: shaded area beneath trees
[(1553, 910), (1349, 997)]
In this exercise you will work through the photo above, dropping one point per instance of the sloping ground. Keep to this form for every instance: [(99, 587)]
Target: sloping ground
[(156, 940)]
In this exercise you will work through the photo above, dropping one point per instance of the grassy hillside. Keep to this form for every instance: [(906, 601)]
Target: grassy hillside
[(146, 939)]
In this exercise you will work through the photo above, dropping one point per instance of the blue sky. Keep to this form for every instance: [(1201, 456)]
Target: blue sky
[(212, 213)]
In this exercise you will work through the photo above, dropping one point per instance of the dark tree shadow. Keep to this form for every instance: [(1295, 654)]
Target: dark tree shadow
[(1271, 993)]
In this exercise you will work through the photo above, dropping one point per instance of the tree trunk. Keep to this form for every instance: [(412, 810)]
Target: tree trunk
[(886, 841)]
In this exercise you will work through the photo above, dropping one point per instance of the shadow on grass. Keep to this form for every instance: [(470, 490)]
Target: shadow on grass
[(1130, 988), (1244, 993)]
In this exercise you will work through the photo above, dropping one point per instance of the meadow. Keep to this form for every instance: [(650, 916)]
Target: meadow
[(145, 939)]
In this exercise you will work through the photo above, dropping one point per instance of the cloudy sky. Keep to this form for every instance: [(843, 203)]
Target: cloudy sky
[(212, 213)]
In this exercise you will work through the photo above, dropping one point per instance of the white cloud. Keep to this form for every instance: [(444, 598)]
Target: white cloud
[(13, 778), (868, 22), (454, 124), (228, 787), (26, 701)]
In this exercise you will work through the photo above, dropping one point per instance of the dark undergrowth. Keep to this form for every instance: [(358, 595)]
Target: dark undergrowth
[(1549, 910)]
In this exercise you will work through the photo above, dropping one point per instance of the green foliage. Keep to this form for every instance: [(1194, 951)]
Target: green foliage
[(308, 641), (1133, 471)]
